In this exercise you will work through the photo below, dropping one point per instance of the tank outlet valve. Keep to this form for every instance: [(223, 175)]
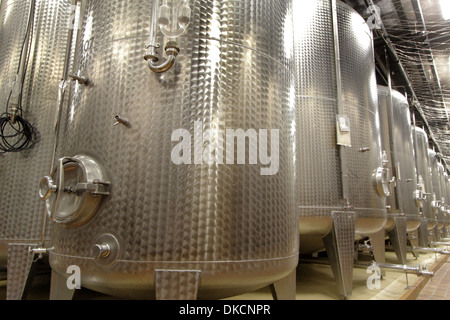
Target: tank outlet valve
[(120, 120), (101, 250), (80, 80), (418, 198), (40, 252)]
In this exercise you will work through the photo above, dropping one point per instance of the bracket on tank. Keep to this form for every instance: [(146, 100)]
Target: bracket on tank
[(423, 233), (339, 244), (286, 288), (398, 238), (23, 262), (379, 249)]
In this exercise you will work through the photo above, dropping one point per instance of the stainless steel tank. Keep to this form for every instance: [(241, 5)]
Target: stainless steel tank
[(136, 222), (443, 176), (22, 216), (447, 211), (424, 175), (341, 179), (398, 146), (437, 190), (397, 142)]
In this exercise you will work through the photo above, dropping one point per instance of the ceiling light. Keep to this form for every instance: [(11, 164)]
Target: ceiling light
[(445, 7)]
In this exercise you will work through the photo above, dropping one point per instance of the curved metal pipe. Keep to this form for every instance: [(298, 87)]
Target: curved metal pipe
[(172, 51)]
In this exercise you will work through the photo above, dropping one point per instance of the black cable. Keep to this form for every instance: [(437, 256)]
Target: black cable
[(18, 136), (15, 137)]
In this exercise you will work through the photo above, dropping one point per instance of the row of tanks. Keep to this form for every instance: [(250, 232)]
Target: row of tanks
[(137, 104)]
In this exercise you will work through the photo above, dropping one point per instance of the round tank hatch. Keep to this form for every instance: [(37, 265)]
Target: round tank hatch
[(382, 183), (74, 191)]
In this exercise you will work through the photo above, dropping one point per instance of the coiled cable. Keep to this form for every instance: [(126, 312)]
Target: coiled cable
[(15, 137)]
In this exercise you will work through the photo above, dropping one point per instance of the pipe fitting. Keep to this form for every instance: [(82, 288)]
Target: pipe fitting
[(172, 50)]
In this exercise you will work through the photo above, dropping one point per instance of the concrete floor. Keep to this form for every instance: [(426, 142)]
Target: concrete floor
[(316, 282)]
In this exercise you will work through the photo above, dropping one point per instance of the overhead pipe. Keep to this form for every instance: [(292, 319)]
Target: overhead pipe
[(410, 90), (419, 15)]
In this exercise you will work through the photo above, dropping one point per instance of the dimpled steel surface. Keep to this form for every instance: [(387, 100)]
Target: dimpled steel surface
[(447, 213), (436, 181), (423, 170), (402, 153), (238, 228), (319, 172), (443, 199), (21, 211)]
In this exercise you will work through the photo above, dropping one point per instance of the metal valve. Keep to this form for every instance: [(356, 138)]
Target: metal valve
[(101, 250), (120, 120), (80, 80)]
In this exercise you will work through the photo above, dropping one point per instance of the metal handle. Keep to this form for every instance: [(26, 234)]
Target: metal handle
[(60, 188), (46, 188)]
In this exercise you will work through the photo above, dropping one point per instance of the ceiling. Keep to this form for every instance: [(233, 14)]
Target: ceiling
[(416, 39)]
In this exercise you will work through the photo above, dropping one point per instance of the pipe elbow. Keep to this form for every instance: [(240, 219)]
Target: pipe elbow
[(164, 67), (172, 51)]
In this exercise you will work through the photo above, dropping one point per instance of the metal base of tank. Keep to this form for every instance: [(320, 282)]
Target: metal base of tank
[(20, 262), (177, 285), (413, 241), (285, 289), (377, 240), (423, 233), (339, 244), (398, 238), (59, 289), (168, 281), (3, 254)]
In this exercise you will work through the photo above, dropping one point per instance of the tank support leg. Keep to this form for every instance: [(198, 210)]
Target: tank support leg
[(436, 234), (285, 289), (19, 272), (413, 240), (59, 289), (423, 234), (379, 248), (177, 284), (398, 239), (340, 243)]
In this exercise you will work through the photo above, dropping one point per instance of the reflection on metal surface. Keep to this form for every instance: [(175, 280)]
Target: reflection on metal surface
[(322, 169), (22, 217), (397, 140), (240, 229)]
